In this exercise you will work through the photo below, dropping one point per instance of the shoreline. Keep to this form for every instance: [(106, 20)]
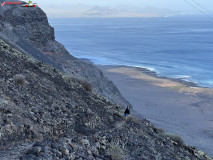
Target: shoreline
[(154, 74), (174, 105), (176, 84)]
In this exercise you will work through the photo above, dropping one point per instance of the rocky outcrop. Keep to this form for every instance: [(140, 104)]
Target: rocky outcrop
[(28, 30), (46, 115)]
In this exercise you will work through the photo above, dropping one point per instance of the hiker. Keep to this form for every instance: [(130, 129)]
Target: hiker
[(127, 111)]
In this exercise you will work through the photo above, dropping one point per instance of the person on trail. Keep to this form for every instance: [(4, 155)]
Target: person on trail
[(127, 112)]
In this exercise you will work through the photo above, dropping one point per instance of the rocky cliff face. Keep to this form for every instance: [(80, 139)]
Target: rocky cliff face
[(28, 30), (45, 115)]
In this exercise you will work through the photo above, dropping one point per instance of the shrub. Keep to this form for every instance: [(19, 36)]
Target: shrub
[(116, 153), (19, 79), (85, 84), (175, 138)]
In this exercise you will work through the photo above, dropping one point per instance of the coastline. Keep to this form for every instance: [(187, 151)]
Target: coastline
[(175, 105), (177, 84), (153, 74)]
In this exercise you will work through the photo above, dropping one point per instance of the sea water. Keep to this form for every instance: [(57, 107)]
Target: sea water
[(175, 47)]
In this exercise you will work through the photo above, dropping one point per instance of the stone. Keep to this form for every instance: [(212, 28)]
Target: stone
[(201, 153), (97, 145), (38, 144), (89, 152), (85, 142), (65, 151), (10, 115), (34, 151), (28, 157)]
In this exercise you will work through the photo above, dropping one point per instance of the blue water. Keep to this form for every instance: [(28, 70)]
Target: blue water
[(176, 47)]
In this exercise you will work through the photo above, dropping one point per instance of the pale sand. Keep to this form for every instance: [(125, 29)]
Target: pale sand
[(172, 106)]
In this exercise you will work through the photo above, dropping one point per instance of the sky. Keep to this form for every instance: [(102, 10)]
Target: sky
[(170, 4), (181, 5)]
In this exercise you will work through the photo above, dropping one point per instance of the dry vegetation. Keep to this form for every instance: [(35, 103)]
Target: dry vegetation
[(19, 79), (85, 84)]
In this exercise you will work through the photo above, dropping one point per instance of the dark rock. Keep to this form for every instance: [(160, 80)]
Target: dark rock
[(39, 144), (34, 151), (28, 157)]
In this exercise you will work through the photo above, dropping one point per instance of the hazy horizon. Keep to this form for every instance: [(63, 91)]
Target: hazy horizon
[(127, 8)]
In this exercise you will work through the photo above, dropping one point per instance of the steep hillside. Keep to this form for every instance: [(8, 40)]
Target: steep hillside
[(28, 30), (46, 115)]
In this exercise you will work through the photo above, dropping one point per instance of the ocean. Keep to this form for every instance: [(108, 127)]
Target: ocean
[(175, 47)]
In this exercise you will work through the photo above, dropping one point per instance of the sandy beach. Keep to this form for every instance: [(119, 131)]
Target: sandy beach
[(177, 107)]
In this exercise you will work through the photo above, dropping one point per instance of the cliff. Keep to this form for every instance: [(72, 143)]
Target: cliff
[(28, 30), (46, 115)]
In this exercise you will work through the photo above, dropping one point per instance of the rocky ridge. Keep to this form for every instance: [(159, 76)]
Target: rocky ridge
[(28, 30), (46, 115)]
